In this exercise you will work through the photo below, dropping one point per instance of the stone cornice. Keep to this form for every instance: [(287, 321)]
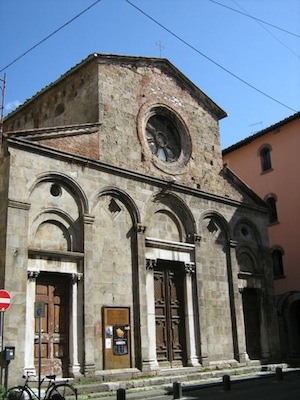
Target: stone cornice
[(166, 244), (54, 132), (55, 255)]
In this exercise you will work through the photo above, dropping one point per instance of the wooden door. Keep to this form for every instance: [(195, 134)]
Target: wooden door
[(169, 314), (54, 291)]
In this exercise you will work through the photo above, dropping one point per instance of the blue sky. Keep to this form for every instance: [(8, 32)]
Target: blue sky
[(208, 42)]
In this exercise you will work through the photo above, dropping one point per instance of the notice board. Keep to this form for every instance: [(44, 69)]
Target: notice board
[(116, 337)]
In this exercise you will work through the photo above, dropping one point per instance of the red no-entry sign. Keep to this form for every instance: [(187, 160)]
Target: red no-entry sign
[(4, 300)]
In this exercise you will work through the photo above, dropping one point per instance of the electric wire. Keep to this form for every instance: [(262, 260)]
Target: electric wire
[(257, 19), (171, 33), (268, 31), (208, 58), (50, 35)]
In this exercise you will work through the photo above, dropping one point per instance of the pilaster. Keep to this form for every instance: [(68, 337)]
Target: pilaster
[(89, 265), (202, 321), (239, 334), (151, 359), (192, 358)]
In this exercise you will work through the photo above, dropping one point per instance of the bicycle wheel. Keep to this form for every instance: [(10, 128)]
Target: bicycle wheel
[(62, 391), (18, 393)]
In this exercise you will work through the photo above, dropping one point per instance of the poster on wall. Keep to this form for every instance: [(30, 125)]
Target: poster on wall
[(108, 336), (120, 339)]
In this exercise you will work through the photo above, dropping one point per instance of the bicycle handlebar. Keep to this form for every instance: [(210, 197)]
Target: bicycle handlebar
[(30, 374)]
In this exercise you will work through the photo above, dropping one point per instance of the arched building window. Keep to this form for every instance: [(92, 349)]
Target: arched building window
[(271, 202), (265, 158), (277, 254)]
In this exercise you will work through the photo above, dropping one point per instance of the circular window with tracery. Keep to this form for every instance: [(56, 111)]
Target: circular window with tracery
[(166, 139), (163, 138)]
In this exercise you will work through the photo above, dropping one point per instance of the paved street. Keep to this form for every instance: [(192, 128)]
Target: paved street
[(263, 388), (258, 389)]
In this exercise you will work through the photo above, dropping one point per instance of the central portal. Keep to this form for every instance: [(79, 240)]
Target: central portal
[(169, 281)]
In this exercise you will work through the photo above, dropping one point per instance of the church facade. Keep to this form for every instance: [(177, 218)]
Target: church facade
[(126, 245)]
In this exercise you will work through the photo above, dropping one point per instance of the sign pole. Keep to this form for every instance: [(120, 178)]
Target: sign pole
[(40, 354), (1, 343), (39, 312), (1, 330), (5, 301)]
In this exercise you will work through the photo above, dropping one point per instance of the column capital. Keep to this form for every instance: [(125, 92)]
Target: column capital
[(32, 274), (232, 243), (189, 268), (140, 228), (197, 238), (77, 277), (150, 263), (88, 219)]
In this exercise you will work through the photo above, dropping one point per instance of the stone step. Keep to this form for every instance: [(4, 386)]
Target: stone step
[(162, 383)]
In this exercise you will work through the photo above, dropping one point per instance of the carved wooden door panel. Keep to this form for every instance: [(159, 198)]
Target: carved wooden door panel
[(54, 291), (169, 314)]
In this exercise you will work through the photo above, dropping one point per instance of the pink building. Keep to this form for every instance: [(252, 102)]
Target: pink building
[(268, 163)]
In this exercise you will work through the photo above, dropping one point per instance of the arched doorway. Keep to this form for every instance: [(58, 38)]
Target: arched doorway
[(294, 325), (251, 308)]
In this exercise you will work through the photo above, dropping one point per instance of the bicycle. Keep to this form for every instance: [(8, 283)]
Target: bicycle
[(54, 391)]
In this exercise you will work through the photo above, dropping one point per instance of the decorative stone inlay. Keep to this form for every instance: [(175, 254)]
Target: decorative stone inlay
[(150, 264), (212, 227), (114, 208)]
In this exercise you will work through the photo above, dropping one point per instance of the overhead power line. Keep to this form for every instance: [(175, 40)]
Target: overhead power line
[(268, 31), (166, 29), (50, 35), (208, 58), (257, 19)]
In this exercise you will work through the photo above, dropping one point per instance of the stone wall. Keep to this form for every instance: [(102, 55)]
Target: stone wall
[(72, 100), (126, 94), (110, 251), (91, 201)]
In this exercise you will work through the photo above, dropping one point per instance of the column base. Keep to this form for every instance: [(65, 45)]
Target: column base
[(150, 365), (89, 369), (244, 358), (193, 362), (75, 370)]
